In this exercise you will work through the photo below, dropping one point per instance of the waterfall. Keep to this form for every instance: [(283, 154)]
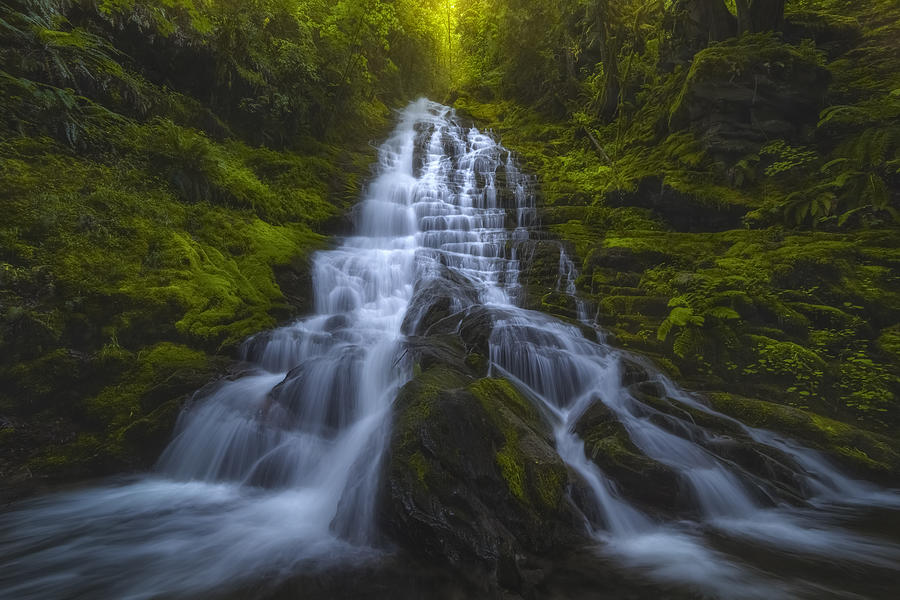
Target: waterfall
[(278, 469)]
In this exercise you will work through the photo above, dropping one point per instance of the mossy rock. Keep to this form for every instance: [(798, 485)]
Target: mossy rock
[(623, 259), (539, 262), (741, 92), (866, 454), (635, 305), (435, 299), (828, 317), (445, 350), (834, 33), (472, 477), (643, 480), (889, 343), (557, 303), (684, 208), (558, 215), (126, 423)]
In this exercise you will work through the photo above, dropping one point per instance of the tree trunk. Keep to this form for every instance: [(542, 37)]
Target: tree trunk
[(700, 22), (768, 15), (715, 17), (609, 99), (756, 16)]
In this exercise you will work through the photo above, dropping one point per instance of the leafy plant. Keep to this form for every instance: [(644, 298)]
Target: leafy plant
[(690, 338)]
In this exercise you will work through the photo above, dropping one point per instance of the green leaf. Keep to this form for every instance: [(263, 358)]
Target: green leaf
[(678, 301), (664, 328), (681, 315), (723, 312)]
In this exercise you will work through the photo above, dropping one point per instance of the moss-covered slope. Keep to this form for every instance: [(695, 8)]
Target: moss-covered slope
[(145, 230), (737, 219)]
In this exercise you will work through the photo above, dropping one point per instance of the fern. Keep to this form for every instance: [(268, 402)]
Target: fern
[(724, 313), (680, 316), (688, 342)]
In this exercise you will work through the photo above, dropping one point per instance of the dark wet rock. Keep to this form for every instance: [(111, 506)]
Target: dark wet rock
[(863, 453), (539, 273), (641, 479), (447, 350), (833, 33), (252, 349), (769, 469), (473, 326), (472, 478), (295, 282), (436, 299), (633, 372), (336, 322), (314, 395)]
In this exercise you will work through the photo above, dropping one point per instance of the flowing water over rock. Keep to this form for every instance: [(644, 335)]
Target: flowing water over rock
[(277, 472)]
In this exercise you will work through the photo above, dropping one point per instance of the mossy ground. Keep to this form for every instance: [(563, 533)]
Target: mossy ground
[(102, 260)]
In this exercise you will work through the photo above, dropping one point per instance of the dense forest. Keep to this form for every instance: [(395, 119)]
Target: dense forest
[(723, 174)]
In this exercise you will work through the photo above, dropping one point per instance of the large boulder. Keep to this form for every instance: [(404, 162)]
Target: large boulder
[(606, 443), (472, 478), (436, 298), (743, 92)]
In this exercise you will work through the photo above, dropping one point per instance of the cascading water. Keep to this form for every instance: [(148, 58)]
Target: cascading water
[(277, 470)]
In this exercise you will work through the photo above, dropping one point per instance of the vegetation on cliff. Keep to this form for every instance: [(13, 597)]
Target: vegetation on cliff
[(165, 170), (730, 183)]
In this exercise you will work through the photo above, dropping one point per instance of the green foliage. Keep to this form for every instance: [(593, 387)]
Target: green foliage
[(143, 219), (868, 384), (802, 368), (784, 158), (808, 283)]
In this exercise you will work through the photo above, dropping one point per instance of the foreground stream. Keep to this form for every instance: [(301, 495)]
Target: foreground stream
[(276, 473)]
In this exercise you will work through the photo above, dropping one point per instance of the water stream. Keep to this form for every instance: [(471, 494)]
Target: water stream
[(277, 470)]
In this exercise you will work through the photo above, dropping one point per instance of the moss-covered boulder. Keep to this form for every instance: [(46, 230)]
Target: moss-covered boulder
[(864, 453), (641, 479), (742, 92), (472, 478)]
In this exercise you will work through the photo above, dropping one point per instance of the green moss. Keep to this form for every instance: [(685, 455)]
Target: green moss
[(161, 373), (534, 480), (786, 359), (510, 460), (497, 394), (735, 58), (610, 446), (860, 448), (889, 342), (418, 398), (551, 486), (420, 466), (634, 304)]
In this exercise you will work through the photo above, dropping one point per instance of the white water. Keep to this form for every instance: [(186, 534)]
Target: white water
[(276, 472)]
